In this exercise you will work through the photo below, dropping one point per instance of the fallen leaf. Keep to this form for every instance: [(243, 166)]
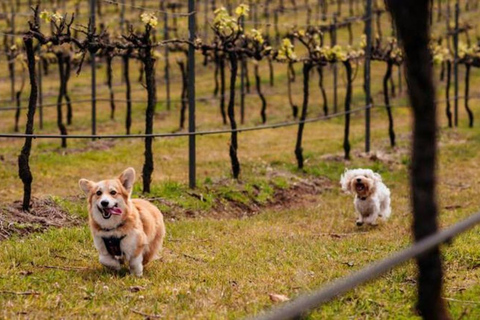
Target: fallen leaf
[(278, 297), (136, 288), (58, 300), (453, 207)]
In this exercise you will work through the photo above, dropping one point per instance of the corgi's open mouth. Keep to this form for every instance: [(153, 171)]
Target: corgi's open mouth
[(108, 212), (360, 187)]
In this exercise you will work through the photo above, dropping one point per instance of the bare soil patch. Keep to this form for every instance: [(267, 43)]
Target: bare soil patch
[(44, 214), (299, 193)]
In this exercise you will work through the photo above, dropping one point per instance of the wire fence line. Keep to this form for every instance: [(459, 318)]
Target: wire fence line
[(48, 105), (199, 99), (292, 25), (297, 308), (178, 14), (184, 134)]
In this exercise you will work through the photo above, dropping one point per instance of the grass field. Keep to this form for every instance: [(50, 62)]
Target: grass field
[(231, 244)]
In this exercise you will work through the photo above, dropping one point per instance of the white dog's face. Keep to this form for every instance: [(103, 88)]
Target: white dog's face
[(360, 182)]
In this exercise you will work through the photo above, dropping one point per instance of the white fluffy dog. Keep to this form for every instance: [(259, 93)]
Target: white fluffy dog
[(372, 197)]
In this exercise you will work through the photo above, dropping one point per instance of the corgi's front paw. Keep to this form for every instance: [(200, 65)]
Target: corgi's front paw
[(110, 262), (136, 266)]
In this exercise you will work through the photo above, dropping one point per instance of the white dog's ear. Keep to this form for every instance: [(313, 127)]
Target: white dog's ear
[(377, 177), (86, 185), (345, 181), (127, 178)]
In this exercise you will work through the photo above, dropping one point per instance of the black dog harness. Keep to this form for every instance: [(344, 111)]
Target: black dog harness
[(113, 243)]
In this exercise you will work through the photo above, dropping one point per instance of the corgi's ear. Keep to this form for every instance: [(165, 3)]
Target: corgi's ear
[(127, 178), (86, 185)]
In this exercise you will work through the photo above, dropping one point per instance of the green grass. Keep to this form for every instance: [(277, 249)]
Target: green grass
[(227, 268)]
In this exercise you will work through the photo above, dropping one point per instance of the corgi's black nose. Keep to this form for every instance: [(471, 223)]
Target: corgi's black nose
[(104, 203), (359, 180)]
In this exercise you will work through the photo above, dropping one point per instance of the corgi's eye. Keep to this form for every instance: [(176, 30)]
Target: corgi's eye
[(113, 192), (99, 193)]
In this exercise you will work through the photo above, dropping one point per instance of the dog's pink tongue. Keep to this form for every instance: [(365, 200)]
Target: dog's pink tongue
[(116, 211)]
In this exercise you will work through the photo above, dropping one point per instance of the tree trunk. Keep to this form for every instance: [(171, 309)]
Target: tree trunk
[(298, 147), (60, 125), (322, 90), (17, 111), (263, 112), (388, 75), (126, 76), (110, 88), (24, 157), (411, 18), (11, 74), (217, 85), (68, 68), (183, 96), (447, 94), (231, 116), (247, 76), (222, 90), (467, 93), (152, 100), (392, 86), (348, 100), (442, 71), (290, 79), (271, 72)]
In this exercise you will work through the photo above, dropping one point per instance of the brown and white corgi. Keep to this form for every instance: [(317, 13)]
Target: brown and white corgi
[(123, 229)]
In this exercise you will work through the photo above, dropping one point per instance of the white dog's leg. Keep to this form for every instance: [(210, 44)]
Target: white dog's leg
[(109, 262), (385, 208), (372, 219), (359, 219), (136, 266)]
